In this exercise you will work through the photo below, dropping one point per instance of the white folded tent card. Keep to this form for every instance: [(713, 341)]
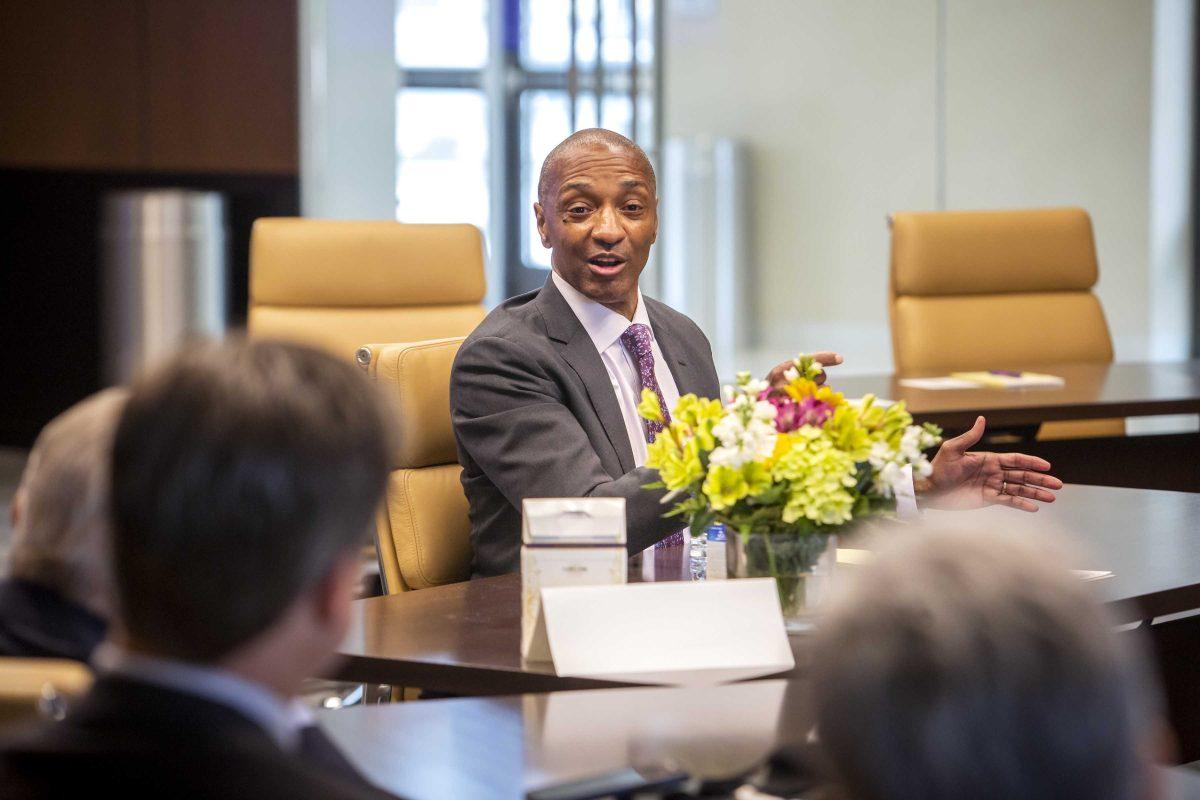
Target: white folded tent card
[(571, 541), (676, 633)]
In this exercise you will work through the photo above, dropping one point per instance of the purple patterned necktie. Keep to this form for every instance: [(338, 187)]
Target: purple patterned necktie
[(636, 340)]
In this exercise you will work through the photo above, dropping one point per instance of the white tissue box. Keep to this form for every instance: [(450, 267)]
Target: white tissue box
[(568, 542)]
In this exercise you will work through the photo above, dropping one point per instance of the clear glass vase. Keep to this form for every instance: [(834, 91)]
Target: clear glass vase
[(802, 565)]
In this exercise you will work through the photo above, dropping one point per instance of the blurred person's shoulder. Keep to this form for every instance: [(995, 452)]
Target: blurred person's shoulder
[(137, 740)]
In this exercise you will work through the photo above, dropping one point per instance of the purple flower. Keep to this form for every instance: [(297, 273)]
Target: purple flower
[(790, 414)]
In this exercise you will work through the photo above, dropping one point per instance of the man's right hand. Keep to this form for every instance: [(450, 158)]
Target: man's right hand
[(826, 358)]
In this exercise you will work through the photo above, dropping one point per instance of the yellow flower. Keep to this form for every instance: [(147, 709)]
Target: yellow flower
[(757, 476), (802, 388), (724, 486), (678, 469), (847, 433), (650, 408)]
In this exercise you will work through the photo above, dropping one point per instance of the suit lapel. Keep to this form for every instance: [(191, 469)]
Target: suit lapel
[(579, 352)]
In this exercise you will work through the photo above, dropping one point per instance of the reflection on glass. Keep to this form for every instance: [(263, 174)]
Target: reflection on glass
[(441, 34), (441, 145), (546, 123)]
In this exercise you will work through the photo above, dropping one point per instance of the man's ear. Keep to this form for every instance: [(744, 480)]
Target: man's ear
[(17, 509), (654, 236), (540, 215), (335, 592)]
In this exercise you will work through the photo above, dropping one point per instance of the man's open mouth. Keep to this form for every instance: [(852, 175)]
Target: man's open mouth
[(606, 261)]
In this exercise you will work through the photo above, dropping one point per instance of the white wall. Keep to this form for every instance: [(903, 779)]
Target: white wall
[(348, 109), (853, 110)]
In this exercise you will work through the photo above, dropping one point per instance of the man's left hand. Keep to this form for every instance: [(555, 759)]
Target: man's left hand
[(825, 358), (963, 480)]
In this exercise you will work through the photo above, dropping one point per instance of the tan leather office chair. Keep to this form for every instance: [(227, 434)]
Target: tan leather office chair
[(337, 284), (976, 290), (423, 533), (31, 686)]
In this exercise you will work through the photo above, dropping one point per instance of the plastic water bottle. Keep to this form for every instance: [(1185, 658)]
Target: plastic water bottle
[(715, 566), (698, 557)]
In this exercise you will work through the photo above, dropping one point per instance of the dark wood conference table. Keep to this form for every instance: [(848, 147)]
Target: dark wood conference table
[(500, 748), (465, 638), (1091, 391)]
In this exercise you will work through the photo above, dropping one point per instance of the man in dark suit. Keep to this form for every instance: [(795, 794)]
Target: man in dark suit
[(245, 477), (57, 598), (544, 392)]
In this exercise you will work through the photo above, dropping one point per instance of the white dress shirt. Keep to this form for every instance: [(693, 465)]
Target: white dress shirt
[(605, 327)]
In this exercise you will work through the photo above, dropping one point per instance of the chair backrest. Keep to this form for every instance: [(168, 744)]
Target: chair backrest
[(29, 686), (995, 289), (423, 532), (337, 284)]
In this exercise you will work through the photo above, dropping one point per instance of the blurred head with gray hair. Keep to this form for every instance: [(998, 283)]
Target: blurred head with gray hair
[(61, 523), (977, 665)]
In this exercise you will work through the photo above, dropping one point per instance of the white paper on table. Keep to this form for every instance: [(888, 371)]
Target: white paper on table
[(676, 632), (938, 384)]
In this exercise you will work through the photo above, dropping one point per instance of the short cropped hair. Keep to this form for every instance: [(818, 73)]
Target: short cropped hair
[(61, 537), (976, 665), (241, 472), (592, 137)]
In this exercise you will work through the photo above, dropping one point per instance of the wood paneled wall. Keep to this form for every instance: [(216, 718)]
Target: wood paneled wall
[(149, 85)]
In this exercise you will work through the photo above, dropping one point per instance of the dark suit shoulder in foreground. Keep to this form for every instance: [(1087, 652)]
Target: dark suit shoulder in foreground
[(535, 415), (131, 739)]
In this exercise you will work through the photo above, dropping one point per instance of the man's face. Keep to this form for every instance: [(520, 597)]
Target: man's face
[(599, 220)]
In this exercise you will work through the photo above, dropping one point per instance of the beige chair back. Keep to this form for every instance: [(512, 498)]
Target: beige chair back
[(423, 532), (32, 686), (975, 290), (337, 284)]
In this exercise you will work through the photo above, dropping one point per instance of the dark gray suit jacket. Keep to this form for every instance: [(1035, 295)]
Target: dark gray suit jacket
[(535, 415)]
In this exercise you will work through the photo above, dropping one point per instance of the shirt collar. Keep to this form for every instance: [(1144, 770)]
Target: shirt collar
[(282, 720), (603, 325)]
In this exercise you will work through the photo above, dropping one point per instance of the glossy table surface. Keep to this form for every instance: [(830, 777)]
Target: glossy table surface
[(500, 748), (1091, 391), (465, 638)]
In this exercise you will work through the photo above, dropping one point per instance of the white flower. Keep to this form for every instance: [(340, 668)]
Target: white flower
[(790, 374), (724, 457), (764, 411), (726, 394), (728, 430), (756, 387), (890, 478), (880, 454)]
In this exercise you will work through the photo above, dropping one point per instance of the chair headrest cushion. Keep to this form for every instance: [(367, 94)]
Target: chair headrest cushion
[(992, 252), (317, 262)]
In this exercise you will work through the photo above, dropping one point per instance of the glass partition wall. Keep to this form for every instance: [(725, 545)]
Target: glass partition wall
[(487, 87)]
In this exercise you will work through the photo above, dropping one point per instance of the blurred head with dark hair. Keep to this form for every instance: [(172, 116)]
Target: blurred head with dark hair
[(245, 478), (974, 665)]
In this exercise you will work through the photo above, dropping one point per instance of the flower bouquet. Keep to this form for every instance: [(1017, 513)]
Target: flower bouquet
[(784, 468)]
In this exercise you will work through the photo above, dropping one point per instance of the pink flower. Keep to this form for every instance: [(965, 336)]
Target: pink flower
[(790, 414)]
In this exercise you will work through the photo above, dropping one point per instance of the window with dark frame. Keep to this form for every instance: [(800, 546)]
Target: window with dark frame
[(487, 87)]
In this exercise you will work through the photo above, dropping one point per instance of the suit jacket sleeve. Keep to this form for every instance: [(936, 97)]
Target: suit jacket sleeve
[(510, 418)]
